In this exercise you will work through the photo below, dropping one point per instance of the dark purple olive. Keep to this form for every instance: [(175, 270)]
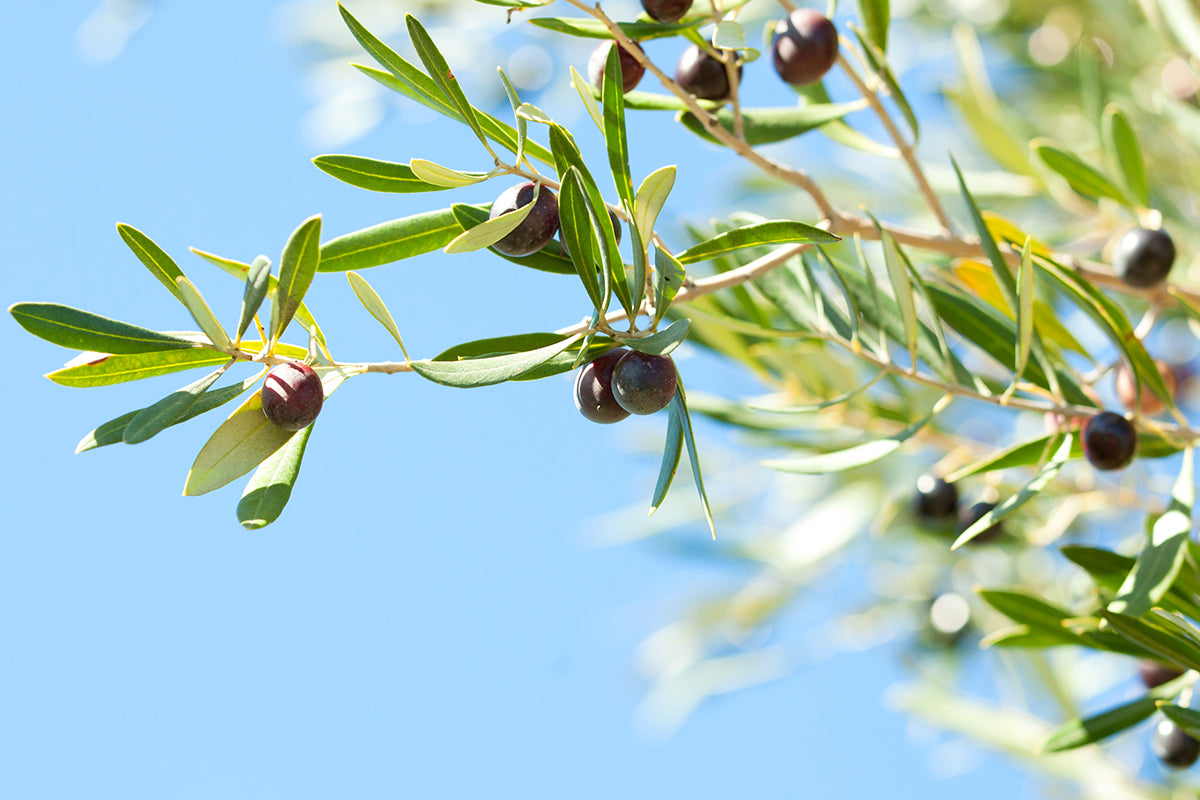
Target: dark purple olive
[(292, 395)]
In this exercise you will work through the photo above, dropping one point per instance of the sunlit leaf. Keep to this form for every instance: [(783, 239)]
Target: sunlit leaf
[(375, 305), (1080, 732), (767, 125), (1082, 177), (374, 175), (439, 70), (270, 488), (650, 198), (389, 242), (203, 315), (168, 411), (445, 177), (160, 264), (777, 231), (662, 342), (487, 233), (258, 281), (83, 330), (486, 371), (1122, 143)]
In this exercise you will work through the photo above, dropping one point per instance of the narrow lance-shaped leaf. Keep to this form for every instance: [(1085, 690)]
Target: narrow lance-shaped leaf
[(1004, 276), (878, 61), (487, 233), (375, 305), (1122, 143), (522, 124), (373, 174), (1025, 286), (767, 125), (903, 291), (83, 330), (270, 488), (1080, 732), (1029, 491), (161, 265), (258, 281), (1162, 557), (669, 275), (1081, 176), (1167, 645), (875, 15), (679, 401), (576, 231), (777, 231), (615, 136), (550, 258), (297, 266), (445, 177), (662, 342), (474, 372), (650, 199), (439, 70), (391, 241), (585, 96), (859, 455), (113, 431), (98, 369), (203, 315), (168, 411), (672, 449)]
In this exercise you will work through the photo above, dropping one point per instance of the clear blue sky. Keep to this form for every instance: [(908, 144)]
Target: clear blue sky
[(427, 619)]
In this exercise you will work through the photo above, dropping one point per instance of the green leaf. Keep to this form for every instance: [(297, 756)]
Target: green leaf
[(814, 94), (875, 15), (439, 70), (168, 411), (669, 275), (1122, 143), (374, 175), (650, 198), (160, 264), (902, 290), (375, 305), (445, 177), (680, 410), (1080, 732), (575, 228), (1162, 557), (857, 456), (662, 342), (1187, 719), (779, 231), (768, 125), (98, 369), (473, 372), (1029, 491), (203, 315), (1160, 641), (1036, 614), (1025, 292), (615, 136), (390, 241), (550, 258), (271, 487), (490, 231), (1082, 177), (1000, 268), (258, 281), (595, 29), (514, 100), (878, 60), (584, 90), (297, 266), (245, 440), (113, 431), (83, 330), (672, 449)]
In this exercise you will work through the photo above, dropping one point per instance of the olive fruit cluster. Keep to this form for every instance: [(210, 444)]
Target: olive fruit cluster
[(935, 505), (622, 382), (292, 395)]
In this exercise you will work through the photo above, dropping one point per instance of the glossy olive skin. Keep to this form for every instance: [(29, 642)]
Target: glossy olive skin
[(1174, 747), (935, 499), (666, 10), (537, 229), (292, 396), (1109, 441), (804, 47), (970, 516), (631, 70), (1144, 257), (593, 389), (1150, 404), (643, 383), (700, 74)]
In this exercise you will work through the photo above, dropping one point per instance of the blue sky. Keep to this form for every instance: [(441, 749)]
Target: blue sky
[(428, 619)]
